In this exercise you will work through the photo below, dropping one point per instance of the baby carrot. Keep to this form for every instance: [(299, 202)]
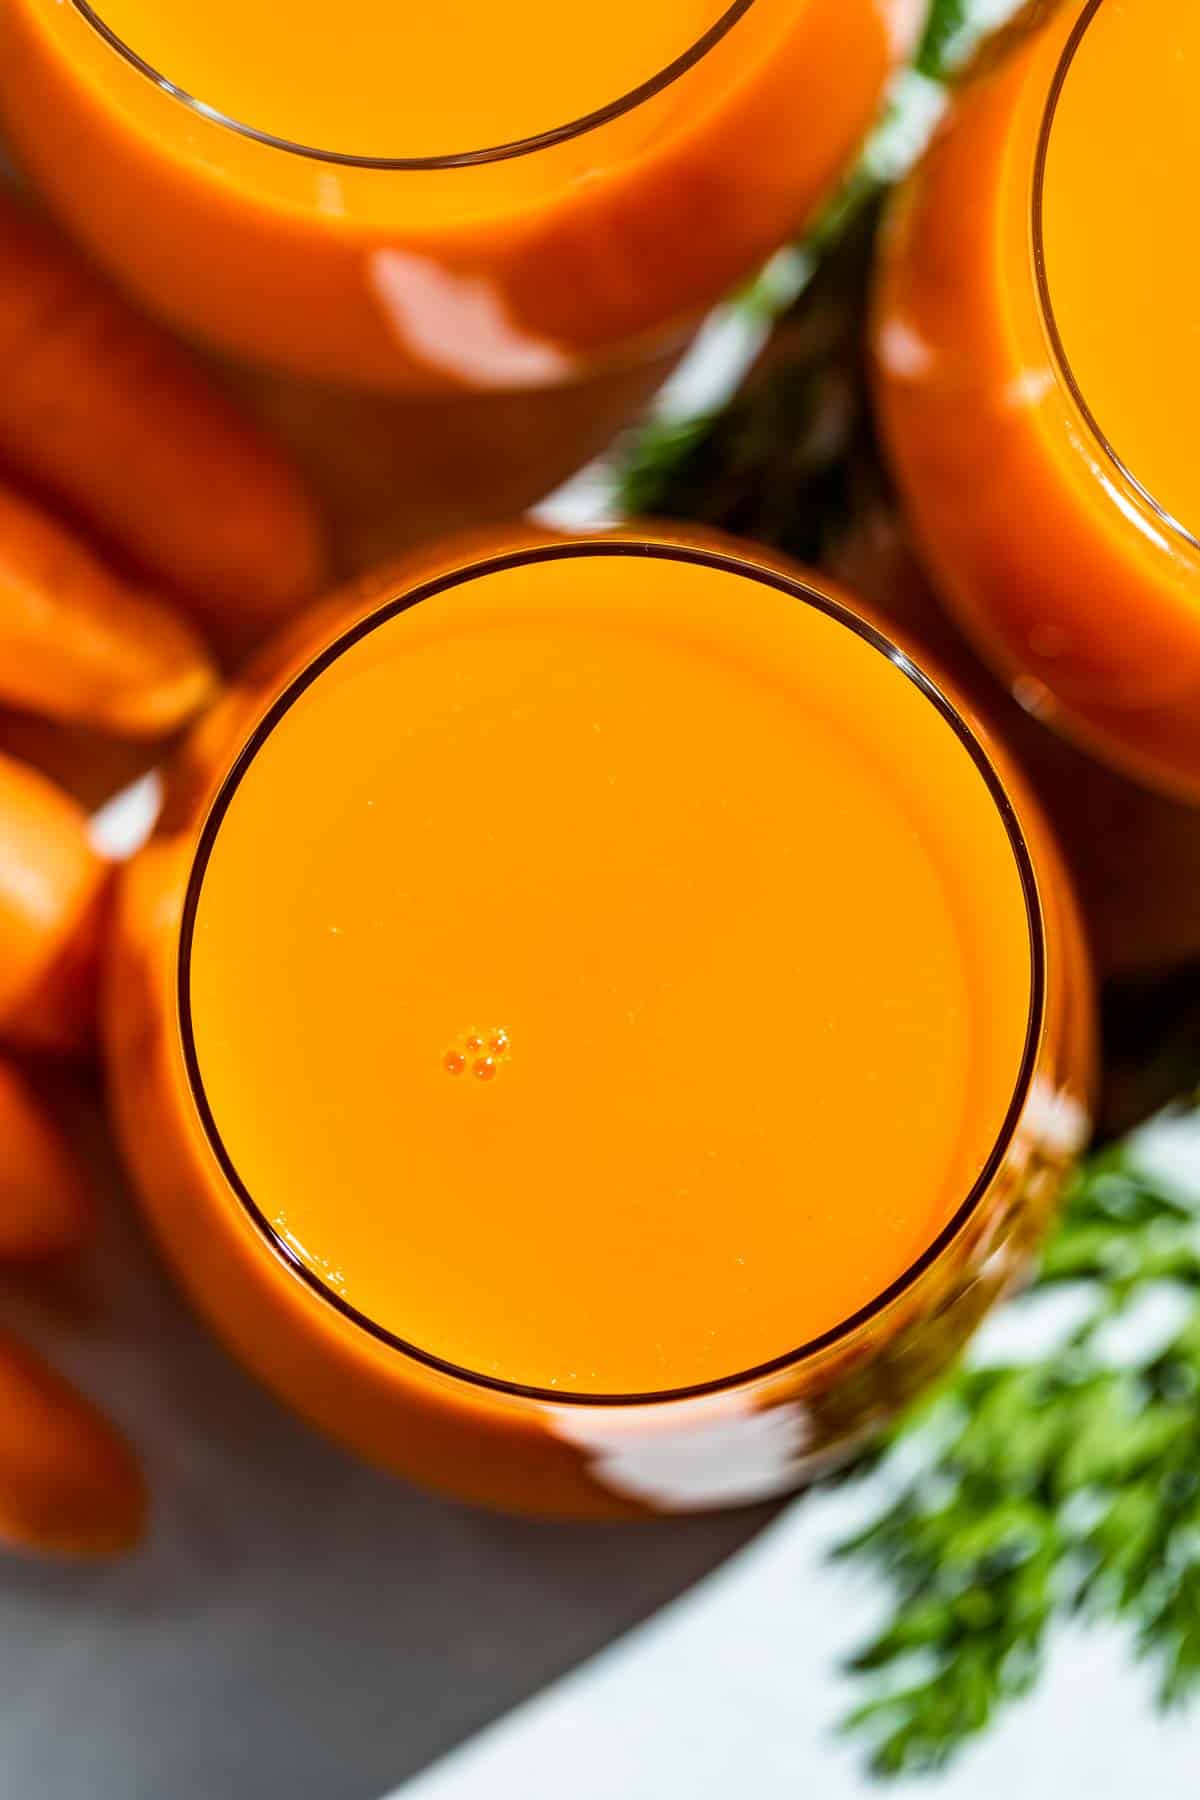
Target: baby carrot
[(83, 647), (44, 1205), (52, 889), (69, 1485), (109, 415)]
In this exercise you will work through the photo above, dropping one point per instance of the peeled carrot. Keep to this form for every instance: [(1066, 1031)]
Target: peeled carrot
[(109, 415), (69, 1485), (82, 646), (44, 1203), (52, 891)]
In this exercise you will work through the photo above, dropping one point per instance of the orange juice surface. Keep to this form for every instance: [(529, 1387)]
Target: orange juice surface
[(409, 196), (383, 80), (609, 973), (1122, 263)]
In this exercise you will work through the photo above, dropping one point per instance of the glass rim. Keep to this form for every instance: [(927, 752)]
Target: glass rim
[(637, 96), (797, 588), (1062, 359)]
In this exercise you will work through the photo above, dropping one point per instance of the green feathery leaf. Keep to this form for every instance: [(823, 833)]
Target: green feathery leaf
[(1063, 1484)]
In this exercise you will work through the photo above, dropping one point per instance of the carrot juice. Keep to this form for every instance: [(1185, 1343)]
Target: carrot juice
[(596, 1025), (1037, 363), (422, 197)]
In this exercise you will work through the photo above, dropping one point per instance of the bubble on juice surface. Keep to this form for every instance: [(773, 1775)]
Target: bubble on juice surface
[(483, 1052)]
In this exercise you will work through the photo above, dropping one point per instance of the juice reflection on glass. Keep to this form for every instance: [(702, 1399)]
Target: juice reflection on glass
[(596, 1026), (1039, 370), (463, 195)]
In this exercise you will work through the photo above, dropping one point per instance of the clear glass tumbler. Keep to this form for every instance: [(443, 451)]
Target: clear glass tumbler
[(598, 1024)]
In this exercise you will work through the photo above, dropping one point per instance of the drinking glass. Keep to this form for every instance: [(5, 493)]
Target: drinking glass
[(598, 1023), (1036, 365)]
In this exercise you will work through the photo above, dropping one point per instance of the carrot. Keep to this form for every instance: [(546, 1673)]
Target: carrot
[(44, 1203), (52, 891), (112, 417), (59, 1015), (69, 1485), (81, 646)]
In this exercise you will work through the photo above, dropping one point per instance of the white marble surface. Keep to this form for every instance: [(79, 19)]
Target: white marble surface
[(735, 1690)]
